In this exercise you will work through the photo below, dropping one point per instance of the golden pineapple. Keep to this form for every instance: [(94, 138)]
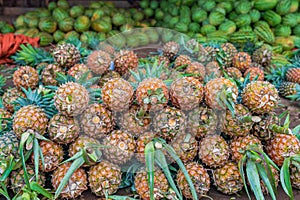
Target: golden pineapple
[(63, 129), (287, 88), (255, 72), (97, 121), (75, 185), (26, 77), (71, 99), (107, 76), (262, 56), (66, 55), (214, 151), (99, 62), (260, 97), (104, 178), (262, 129), (229, 52), (124, 61), (49, 74), (9, 96), (212, 68), (181, 62), (170, 49), (196, 70), (212, 51), (161, 184), (163, 60), (234, 72), (282, 146), (53, 155), (141, 143), (293, 75), (186, 93), (227, 179), (117, 94), (4, 118), (9, 145), (199, 177), (121, 147), (78, 70), (242, 61), (30, 118)]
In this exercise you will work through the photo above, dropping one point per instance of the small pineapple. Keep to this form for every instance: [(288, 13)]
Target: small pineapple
[(181, 62), (275, 174), (5, 116), (78, 70), (293, 75), (107, 48), (26, 77), (9, 97), (163, 60), (141, 143), (63, 129), (170, 49), (212, 68), (199, 177), (242, 61), (9, 144), (255, 72), (49, 74), (99, 62), (262, 129), (124, 61), (229, 52), (287, 88), (107, 76), (234, 72), (295, 176), (262, 56), (196, 70), (104, 178), (75, 185), (212, 51), (66, 55)]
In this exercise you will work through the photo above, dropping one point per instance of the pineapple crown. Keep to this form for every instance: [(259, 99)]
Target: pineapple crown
[(84, 52), (248, 47), (2, 83), (295, 97), (277, 74), (295, 61), (32, 56)]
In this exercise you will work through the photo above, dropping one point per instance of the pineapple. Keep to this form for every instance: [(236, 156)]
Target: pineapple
[(229, 52), (107, 48), (212, 68), (242, 61), (227, 179), (97, 121), (262, 56), (117, 94), (169, 122), (295, 176), (104, 178), (5, 116), (202, 121), (63, 129), (234, 72), (275, 174), (99, 62), (26, 77), (196, 70), (239, 145), (66, 55), (78, 70), (199, 177), (181, 62), (170, 49), (75, 185), (161, 185), (9, 144), (214, 151), (121, 147), (288, 88), (212, 51), (260, 97), (9, 97), (107, 76), (49, 74), (71, 99), (186, 93), (293, 75), (141, 143), (163, 60), (124, 61), (30, 118), (282, 146), (262, 129), (255, 72), (53, 155)]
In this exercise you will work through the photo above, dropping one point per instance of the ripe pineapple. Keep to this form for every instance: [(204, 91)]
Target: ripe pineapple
[(141, 143), (196, 70), (121, 147), (240, 144), (262, 56), (71, 99), (287, 88), (214, 151), (104, 178), (229, 52), (260, 97), (99, 62), (49, 74), (212, 51), (282, 146), (4, 118), (31, 118), (161, 184), (63, 129), (186, 93), (107, 48), (78, 70), (242, 61), (9, 97), (275, 174), (75, 185), (107, 76), (181, 62), (163, 60), (227, 179), (262, 129), (293, 75), (199, 177), (202, 121), (124, 61), (234, 73), (9, 144), (97, 121), (212, 68), (170, 49), (295, 176), (169, 122), (53, 155), (66, 55), (255, 72), (26, 77), (117, 94)]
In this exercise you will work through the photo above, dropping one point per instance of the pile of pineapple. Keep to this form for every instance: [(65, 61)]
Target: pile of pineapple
[(171, 124)]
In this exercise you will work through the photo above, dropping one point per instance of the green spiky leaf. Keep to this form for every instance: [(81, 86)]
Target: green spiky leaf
[(149, 156)]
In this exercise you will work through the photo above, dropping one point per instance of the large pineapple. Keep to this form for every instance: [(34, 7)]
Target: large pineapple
[(181, 62), (293, 75), (234, 72), (141, 143), (63, 129), (214, 151), (262, 56), (262, 128), (104, 178), (199, 177), (97, 121), (242, 61), (124, 61), (255, 72), (78, 70), (170, 49), (227, 179), (120, 147), (26, 77), (141, 184), (66, 55), (107, 76), (49, 74), (75, 185), (9, 97), (229, 52), (196, 70), (117, 94), (260, 97), (186, 93), (212, 69), (71, 99), (99, 62)]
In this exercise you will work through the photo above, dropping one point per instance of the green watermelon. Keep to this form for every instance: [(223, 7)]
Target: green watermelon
[(206, 29), (243, 7), (63, 4), (152, 34), (139, 16), (89, 12), (282, 30), (296, 30), (72, 34), (181, 27), (58, 36), (216, 18), (118, 19), (45, 38), (199, 15), (52, 5), (283, 7), (243, 20), (101, 26), (76, 11), (48, 25), (97, 14), (255, 15), (228, 27), (208, 5), (226, 5), (59, 14), (126, 27), (7, 28), (263, 5), (31, 22), (31, 32), (66, 25), (290, 20), (194, 27), (82, 23), (20, 22)]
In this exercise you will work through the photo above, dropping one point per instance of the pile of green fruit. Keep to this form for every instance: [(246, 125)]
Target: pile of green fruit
[(6, 27)]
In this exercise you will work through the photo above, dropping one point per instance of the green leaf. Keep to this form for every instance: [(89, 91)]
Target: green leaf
[(149, 156), (285, 178), (242, 173), (39, 189), (21, 149), (8, 169), (116, 197), (253, 177), (264, 176), (36, 153)]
